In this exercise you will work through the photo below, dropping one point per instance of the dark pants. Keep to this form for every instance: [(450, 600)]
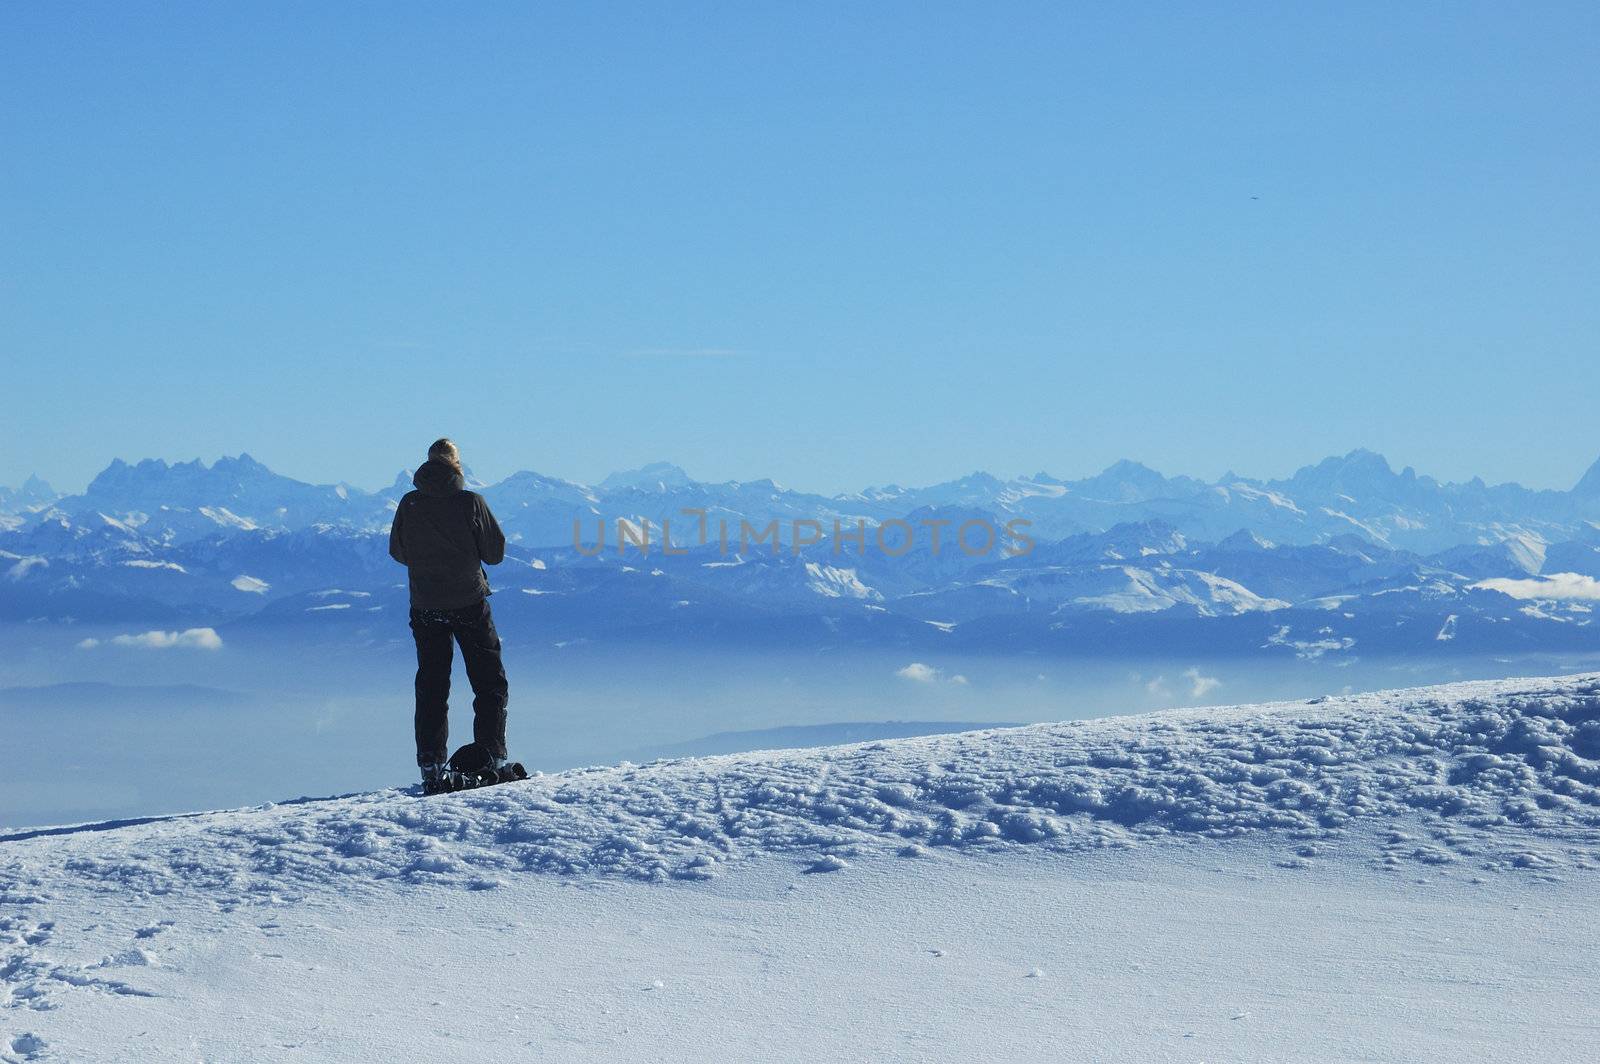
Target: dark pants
[(473, 628)]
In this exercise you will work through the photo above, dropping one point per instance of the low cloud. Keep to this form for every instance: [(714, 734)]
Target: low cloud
[(24, 566), (1200, 686), (189, 638), (1568, 587), (917, 672), (250, 583)]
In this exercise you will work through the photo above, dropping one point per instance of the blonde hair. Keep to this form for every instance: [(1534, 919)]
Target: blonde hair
[(444, 450)]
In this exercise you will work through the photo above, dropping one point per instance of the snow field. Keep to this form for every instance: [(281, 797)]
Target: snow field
[(1161, 953), (1291, 881)]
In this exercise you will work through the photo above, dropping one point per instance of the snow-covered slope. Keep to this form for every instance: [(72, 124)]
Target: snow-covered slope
[(1495, 779), (1510, 768)]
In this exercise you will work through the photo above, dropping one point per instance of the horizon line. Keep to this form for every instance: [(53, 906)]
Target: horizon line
[(1040, 477)]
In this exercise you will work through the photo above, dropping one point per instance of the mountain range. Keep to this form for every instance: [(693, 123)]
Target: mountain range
[(1344, 557)]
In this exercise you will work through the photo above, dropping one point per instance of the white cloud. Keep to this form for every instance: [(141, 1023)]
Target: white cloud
[(250, 583), (26, 565), (1200, 686), (191, 638), (88, 644), (1571, 587), (920, 673), (1160, 687)]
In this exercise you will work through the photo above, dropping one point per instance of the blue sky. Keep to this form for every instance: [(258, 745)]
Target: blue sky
[(836, 244)]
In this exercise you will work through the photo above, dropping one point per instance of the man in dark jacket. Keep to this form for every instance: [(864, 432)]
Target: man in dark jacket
[(444, 534)]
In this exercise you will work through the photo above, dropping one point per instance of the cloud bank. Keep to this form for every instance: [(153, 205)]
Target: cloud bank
[(190, 638), (1568, 587)]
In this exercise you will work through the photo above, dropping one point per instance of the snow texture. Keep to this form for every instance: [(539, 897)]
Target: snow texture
[(1500, 773)]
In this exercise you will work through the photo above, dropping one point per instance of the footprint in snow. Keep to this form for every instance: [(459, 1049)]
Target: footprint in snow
[(28, 1046), (133, 957)]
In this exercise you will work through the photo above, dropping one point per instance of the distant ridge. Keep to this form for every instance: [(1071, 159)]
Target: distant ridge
[(1346, 558), (1358, 467)]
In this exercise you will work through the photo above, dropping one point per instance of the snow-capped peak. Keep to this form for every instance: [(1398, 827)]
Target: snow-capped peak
[(657, 476)]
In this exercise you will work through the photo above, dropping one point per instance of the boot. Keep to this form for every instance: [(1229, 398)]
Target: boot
[(437, 778)]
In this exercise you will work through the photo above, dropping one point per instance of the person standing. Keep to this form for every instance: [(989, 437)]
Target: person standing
[(444, 535)]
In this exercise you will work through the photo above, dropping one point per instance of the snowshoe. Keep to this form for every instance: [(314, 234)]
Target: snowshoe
[(472, 767), (510, 772)]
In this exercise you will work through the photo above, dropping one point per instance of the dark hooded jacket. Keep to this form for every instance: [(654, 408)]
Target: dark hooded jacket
[(444, 534)]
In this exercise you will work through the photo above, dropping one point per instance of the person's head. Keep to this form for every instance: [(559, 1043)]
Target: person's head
[(444, 450)]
